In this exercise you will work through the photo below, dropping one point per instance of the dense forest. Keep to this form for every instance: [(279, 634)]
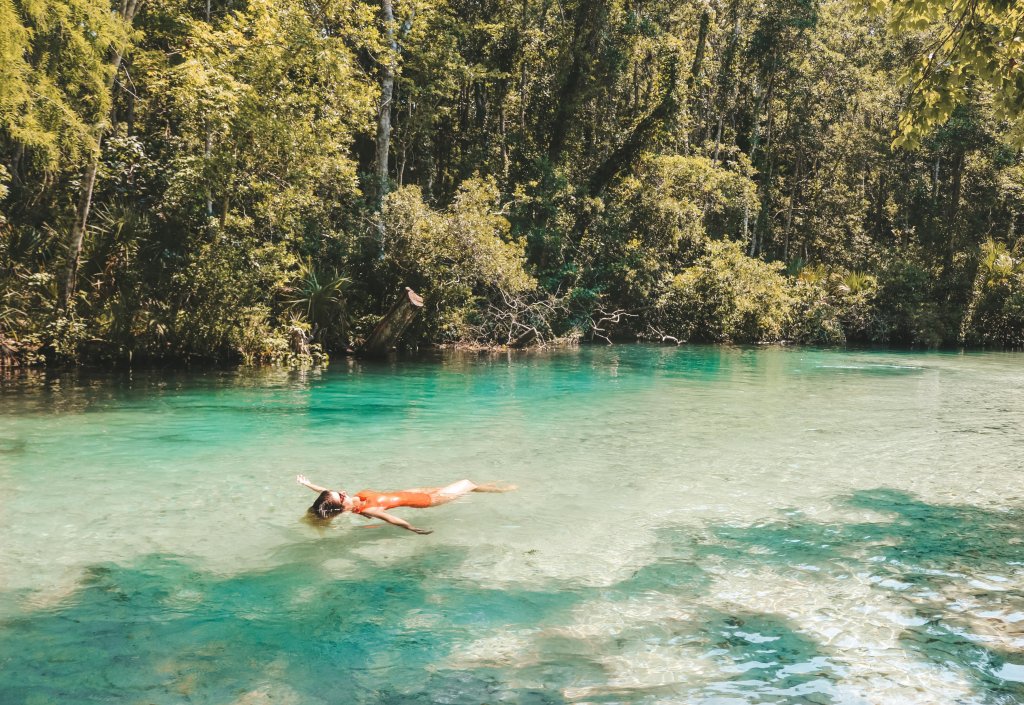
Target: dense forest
[(257, 180)]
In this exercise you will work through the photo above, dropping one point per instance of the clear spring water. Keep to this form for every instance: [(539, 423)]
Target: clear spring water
[(692, 525)]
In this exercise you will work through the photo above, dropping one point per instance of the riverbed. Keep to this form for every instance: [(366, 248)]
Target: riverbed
[(700, 525)]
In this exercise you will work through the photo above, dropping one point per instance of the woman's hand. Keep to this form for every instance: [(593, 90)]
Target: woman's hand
[(304, 481), (392, 519)]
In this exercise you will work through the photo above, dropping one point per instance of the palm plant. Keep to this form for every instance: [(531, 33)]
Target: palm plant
[(27, 247), (811, 274), (319, 297), (118, 229), (997, 265), (856, 282), (996, 268)]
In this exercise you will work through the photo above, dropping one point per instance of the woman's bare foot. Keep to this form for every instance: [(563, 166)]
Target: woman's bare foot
[(496, 487)]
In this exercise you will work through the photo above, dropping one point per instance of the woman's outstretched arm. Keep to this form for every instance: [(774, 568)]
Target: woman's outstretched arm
[(303, 480), (391, 519)]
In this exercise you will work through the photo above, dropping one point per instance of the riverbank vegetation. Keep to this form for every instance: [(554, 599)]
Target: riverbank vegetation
[(242, 179)]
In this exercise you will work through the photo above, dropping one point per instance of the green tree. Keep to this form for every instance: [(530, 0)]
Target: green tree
[(967, 45)]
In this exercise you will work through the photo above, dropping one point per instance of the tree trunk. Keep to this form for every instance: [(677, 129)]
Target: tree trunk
[(386, 333), (761, 223), (403, 150), (793, 195), (588, 21), (15, 164), (78, 230), (505, 163), (698, 56), (387, 90), (725, 83), (954, 204), (81, 223), (789, 225), (766, 98), (524, 339), (958, 176), (698, 60), (208, 143), (626, 153)]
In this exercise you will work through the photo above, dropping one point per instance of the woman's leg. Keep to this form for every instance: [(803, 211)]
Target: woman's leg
[(457, 489), (452, 491), (492, 487)]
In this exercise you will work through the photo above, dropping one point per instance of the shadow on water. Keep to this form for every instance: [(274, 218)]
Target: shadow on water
[(997, 673), (919, 542), (160, 630), (952, 572), (955, 570)]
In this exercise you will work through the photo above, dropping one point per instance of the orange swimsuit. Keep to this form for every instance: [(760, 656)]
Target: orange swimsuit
[(372, 499)]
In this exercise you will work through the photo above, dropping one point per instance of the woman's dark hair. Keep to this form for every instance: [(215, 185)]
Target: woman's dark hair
[(324, 506)]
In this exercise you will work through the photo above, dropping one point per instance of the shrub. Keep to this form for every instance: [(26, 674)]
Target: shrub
[(995, 312), (816, 316), (833, 308), (222, 299), (653, 221), (726, 296), (459, 259), (907, 312)]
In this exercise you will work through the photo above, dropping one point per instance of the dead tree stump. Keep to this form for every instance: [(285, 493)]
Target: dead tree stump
[(386, 333)]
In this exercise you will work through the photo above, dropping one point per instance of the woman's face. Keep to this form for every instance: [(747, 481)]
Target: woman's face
[(342, 500)]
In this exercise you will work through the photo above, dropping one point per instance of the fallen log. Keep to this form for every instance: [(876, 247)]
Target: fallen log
[(525, 339), (386, 333), (8, 352)]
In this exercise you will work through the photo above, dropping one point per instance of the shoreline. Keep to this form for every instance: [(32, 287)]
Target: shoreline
[(439, 352)]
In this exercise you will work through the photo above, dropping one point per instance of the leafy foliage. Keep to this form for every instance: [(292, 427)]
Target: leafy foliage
[(995, 314), (54, 72), (968, 45), (727, 297), (719, 171), (462, 255)]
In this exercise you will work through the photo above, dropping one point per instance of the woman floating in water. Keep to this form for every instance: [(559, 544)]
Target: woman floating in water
[(371, 503)]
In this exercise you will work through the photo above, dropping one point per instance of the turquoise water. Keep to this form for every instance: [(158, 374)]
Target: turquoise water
[(692, 525)]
